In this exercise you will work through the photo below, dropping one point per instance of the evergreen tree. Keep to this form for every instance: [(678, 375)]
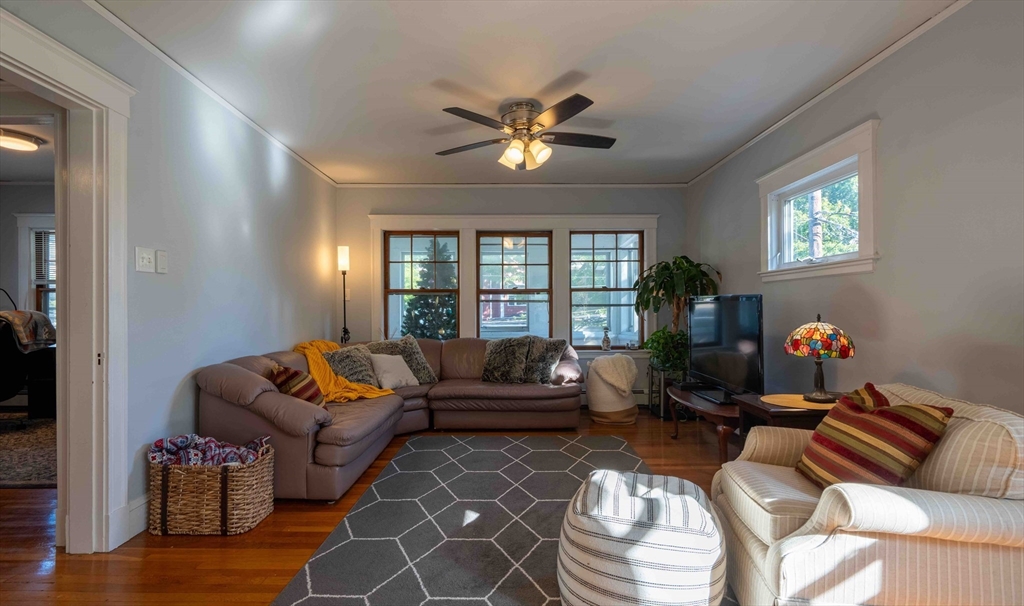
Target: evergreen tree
[(433, 316)]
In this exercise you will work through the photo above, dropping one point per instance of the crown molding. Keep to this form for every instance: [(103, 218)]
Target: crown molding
[(159, 54), (873, 61), (511, 185)]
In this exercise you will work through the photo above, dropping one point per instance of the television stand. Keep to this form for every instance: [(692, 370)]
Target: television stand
[(724, 416), (718, 396)]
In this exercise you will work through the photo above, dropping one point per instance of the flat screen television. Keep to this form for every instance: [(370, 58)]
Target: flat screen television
[(726, 344)]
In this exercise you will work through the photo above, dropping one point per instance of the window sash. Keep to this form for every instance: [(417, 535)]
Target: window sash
[(491, 296), (639, 261), (780, 241), (389, 332)]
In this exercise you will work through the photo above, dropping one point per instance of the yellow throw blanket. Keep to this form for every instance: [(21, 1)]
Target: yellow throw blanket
[(334, 388)]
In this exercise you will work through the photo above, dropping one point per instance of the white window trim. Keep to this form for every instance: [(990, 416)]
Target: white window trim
[(853, 151), (468, 225), (28, 223)]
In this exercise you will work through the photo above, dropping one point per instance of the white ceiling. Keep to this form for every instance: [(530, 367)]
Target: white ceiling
[(357, 88)]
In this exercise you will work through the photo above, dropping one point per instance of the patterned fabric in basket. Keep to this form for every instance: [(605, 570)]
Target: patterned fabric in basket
[(191, 449)]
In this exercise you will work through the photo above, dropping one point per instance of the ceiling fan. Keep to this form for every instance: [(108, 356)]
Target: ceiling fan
[(523, 125)]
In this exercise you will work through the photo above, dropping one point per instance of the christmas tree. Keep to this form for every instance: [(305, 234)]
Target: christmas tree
[(432, 316)]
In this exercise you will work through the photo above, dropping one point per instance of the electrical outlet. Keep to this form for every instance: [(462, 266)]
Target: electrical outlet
[(145, 259), (161, 261)]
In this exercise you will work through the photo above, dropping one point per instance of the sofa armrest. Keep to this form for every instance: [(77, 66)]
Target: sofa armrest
[(233, 383), (925, 513), (780, 446), (566, 372), (294, 416)]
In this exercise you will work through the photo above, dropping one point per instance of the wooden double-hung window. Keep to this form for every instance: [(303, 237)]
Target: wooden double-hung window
[(514, 285), (44, 271), (603, 267), (421, 285)]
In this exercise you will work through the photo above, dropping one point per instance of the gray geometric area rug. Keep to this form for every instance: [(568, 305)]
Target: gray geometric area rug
[(458, 521)]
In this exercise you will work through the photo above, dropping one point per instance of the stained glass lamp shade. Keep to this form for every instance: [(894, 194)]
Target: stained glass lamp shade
[(819, 340)]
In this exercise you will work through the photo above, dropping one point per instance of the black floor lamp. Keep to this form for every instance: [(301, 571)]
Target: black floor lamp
[(343, 268)]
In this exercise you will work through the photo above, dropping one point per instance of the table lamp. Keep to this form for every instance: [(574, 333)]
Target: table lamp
[(819, 340), (343, 268)]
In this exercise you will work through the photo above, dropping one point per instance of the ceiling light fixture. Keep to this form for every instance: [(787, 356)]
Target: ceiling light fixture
[(524, 128), (10, 139), (514, 153), (540, 152)]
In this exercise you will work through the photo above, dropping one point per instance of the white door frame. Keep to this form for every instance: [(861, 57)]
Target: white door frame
[(92, 272)]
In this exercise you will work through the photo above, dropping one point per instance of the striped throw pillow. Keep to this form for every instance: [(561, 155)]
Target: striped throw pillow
[(864, 439), (293, 382)]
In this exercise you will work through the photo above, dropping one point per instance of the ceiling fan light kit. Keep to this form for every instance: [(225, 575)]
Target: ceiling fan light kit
[(10, 139), (523, 124)]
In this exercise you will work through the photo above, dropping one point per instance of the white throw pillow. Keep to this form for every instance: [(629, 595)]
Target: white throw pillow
[(392, 371)]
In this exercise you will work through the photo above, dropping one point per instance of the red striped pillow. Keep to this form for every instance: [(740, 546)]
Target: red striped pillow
[(298, 384), (864, 439)]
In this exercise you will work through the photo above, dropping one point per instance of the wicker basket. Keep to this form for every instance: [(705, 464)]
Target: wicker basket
[(225, 500)]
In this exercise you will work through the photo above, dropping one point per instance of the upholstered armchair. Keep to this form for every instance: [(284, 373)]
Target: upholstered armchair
[(953, 535)]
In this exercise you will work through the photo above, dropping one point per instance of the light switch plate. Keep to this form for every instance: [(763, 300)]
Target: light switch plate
[(348, 294), (161, 261), (145, 259)]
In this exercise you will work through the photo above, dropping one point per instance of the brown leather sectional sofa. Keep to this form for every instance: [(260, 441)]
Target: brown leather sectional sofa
[(319, 453)]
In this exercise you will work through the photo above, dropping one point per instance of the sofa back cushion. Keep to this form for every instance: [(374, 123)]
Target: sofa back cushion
[(261, 365), (981, 454), (289, 359), (463, 358), (431, 349)]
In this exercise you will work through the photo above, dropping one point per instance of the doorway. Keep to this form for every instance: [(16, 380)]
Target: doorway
[(91, 280)]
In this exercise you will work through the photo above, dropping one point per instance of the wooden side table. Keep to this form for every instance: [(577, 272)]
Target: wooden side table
[(753, 411), (724, 416)]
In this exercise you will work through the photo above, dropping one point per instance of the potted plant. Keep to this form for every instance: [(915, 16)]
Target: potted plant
[(672, 283)]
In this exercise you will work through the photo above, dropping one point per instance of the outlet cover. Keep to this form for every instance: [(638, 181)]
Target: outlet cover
[(161, 261), (145, 259)]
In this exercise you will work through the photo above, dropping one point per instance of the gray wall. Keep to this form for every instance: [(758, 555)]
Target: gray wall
[(944, 309), (249, 231), (17, 199), (354, 204)]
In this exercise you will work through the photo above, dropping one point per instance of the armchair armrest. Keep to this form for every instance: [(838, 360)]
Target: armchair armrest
[(912, 512), (292, 415), (780, 446)]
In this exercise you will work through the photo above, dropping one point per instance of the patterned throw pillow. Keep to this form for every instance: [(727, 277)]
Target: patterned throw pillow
[(864, 439), (409, 349), (352, 364), (542, 359), (293, 382), (505, 360)]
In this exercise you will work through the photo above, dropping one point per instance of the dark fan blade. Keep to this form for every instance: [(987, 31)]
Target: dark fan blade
[(562, 111), (577, 140), (456, 150), (475, 117)]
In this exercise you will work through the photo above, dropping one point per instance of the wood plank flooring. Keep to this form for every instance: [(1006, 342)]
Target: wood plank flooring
[(250, 568)]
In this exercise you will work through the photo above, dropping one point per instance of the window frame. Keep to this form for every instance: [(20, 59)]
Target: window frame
[(640, 268), (848, 154), (388, 291), (480, 291)]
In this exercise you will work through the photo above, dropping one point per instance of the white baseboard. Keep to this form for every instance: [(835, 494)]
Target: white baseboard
[(117, 528), (138, 515)]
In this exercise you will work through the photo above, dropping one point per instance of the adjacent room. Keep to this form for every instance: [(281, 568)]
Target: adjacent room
[(462, 302)]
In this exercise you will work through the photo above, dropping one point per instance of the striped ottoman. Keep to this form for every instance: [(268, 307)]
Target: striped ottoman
[(631, 538)]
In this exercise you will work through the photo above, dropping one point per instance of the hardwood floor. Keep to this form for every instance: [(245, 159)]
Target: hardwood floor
[(250, 568)]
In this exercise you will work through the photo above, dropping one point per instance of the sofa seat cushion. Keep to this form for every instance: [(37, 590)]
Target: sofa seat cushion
[(414, 404), (333, 455), (413, 391), (353, 421), (475, 389), (772, 501), (470, 404)]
